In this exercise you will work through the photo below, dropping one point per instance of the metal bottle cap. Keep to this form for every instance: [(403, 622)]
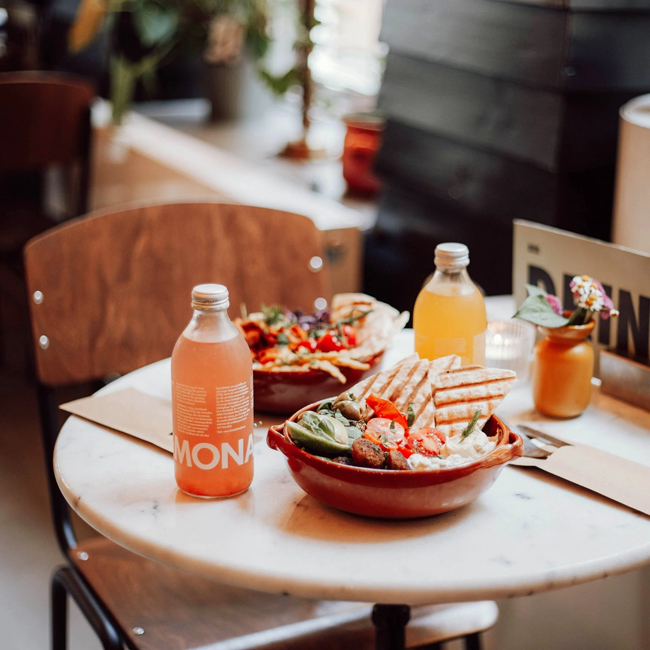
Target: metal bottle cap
[(210, 297), (451, 255)]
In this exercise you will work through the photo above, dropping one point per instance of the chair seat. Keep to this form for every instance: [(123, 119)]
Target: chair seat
[(179, 611)]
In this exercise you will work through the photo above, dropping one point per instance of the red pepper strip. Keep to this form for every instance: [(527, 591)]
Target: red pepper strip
[(385, 409), (406, 452)]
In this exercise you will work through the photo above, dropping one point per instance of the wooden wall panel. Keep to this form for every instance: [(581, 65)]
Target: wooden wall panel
[(516, 42), (399, 252), (585, 5), (484, 184), (595, 51), (609, 52), (521, 122)]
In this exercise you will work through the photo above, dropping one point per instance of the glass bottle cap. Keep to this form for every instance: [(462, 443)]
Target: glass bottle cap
[(451, 254), (210, 297)]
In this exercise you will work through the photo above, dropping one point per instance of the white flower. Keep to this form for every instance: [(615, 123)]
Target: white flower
[(587, 293)]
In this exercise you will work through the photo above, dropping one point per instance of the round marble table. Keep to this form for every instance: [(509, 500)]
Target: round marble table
[(529, 533)]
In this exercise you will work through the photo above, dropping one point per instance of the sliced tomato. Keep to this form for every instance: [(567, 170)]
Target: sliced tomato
[(330, 342), (350, 335), (430, 430), (385, 433), (426, 441), (309, 345)]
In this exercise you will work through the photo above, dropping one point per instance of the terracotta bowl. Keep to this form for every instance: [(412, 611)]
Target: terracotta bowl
[(286, 392), (396, 494)]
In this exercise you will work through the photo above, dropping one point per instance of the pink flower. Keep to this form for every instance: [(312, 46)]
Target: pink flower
[(555, 302)]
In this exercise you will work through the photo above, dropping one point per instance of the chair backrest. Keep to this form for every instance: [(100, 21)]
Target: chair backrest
[(44, 119), (111, 292)]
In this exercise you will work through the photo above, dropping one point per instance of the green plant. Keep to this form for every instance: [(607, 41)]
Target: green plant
[(146, 34)]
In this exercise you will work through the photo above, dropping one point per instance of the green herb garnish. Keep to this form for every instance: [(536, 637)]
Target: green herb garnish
[(283, 339), (472, 423), (410, 415), (351, 320), (392, 425), (272, 314)]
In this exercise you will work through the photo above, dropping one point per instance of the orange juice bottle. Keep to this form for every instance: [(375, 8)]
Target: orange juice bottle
[(449, 314), (212, 400)]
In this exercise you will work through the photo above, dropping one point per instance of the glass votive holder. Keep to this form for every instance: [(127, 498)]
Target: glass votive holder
[(509, 344)]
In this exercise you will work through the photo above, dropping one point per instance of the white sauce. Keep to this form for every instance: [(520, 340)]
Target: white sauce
[(456, 451)]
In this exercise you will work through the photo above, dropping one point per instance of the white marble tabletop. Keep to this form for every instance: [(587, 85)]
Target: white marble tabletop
[(529, 533)]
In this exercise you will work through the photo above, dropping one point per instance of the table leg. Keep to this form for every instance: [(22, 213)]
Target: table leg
[(390, 621)]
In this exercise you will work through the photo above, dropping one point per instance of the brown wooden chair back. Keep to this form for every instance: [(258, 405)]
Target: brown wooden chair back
[(44, 119), (111, 292)]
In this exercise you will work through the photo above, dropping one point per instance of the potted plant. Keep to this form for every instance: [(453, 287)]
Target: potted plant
[(563, 359), (146, 34)]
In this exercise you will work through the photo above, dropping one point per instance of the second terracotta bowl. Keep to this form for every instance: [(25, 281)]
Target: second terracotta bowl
[(286, 392), (396, 494)]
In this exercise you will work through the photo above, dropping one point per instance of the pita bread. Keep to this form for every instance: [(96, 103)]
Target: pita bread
[(377, 383), (458, 393)]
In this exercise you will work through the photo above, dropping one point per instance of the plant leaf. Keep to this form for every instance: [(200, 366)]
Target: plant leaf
[(534, 290), (155, 24), (537, 310)]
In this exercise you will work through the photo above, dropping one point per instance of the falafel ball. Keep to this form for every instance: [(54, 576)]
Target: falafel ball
[(367, 454), (397, 460)]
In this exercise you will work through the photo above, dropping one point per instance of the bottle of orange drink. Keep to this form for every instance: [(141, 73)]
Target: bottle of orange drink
[(449, 314), (212, 400)]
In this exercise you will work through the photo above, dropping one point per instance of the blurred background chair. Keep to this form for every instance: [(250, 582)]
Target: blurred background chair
[(45, 137), (110, 293)]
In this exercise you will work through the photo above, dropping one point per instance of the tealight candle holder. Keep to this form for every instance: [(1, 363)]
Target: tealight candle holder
[(509, 344)]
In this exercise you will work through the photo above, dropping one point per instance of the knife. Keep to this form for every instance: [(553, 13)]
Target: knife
[(614, 477)]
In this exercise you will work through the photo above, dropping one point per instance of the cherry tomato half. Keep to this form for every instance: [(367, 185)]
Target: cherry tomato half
[(385, 433), (350, 335), (426, 441), (330, 342), (309, 345)]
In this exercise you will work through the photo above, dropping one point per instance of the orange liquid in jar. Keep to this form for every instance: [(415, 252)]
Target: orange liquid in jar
[(450, 319), (212, 399)]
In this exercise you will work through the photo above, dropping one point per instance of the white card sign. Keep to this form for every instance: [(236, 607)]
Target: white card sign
[(550, 258)]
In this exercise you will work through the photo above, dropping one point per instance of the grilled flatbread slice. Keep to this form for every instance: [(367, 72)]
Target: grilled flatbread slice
[(378, 383), (457, 394)]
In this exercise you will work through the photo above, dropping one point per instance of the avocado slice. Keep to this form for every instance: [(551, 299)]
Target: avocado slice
[(314, 443)]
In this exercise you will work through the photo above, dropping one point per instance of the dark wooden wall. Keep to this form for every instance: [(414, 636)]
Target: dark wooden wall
[(498, 109)]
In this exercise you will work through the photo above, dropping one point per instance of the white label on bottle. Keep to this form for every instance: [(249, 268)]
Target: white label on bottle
[(234, 404), (192, 416)]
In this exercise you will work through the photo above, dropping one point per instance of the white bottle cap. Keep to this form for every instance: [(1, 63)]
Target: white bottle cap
[(210, 297), (451, 255)]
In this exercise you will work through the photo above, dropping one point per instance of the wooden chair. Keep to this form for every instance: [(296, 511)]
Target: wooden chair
[(44, 121), (110, 293), (44, 124)]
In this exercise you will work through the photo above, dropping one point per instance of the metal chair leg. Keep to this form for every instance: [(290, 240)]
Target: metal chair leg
[(473, 641), (66, 580), (390, 621), (59, 613)]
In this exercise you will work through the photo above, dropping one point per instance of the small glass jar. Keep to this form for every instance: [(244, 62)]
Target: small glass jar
[(562, 369)]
